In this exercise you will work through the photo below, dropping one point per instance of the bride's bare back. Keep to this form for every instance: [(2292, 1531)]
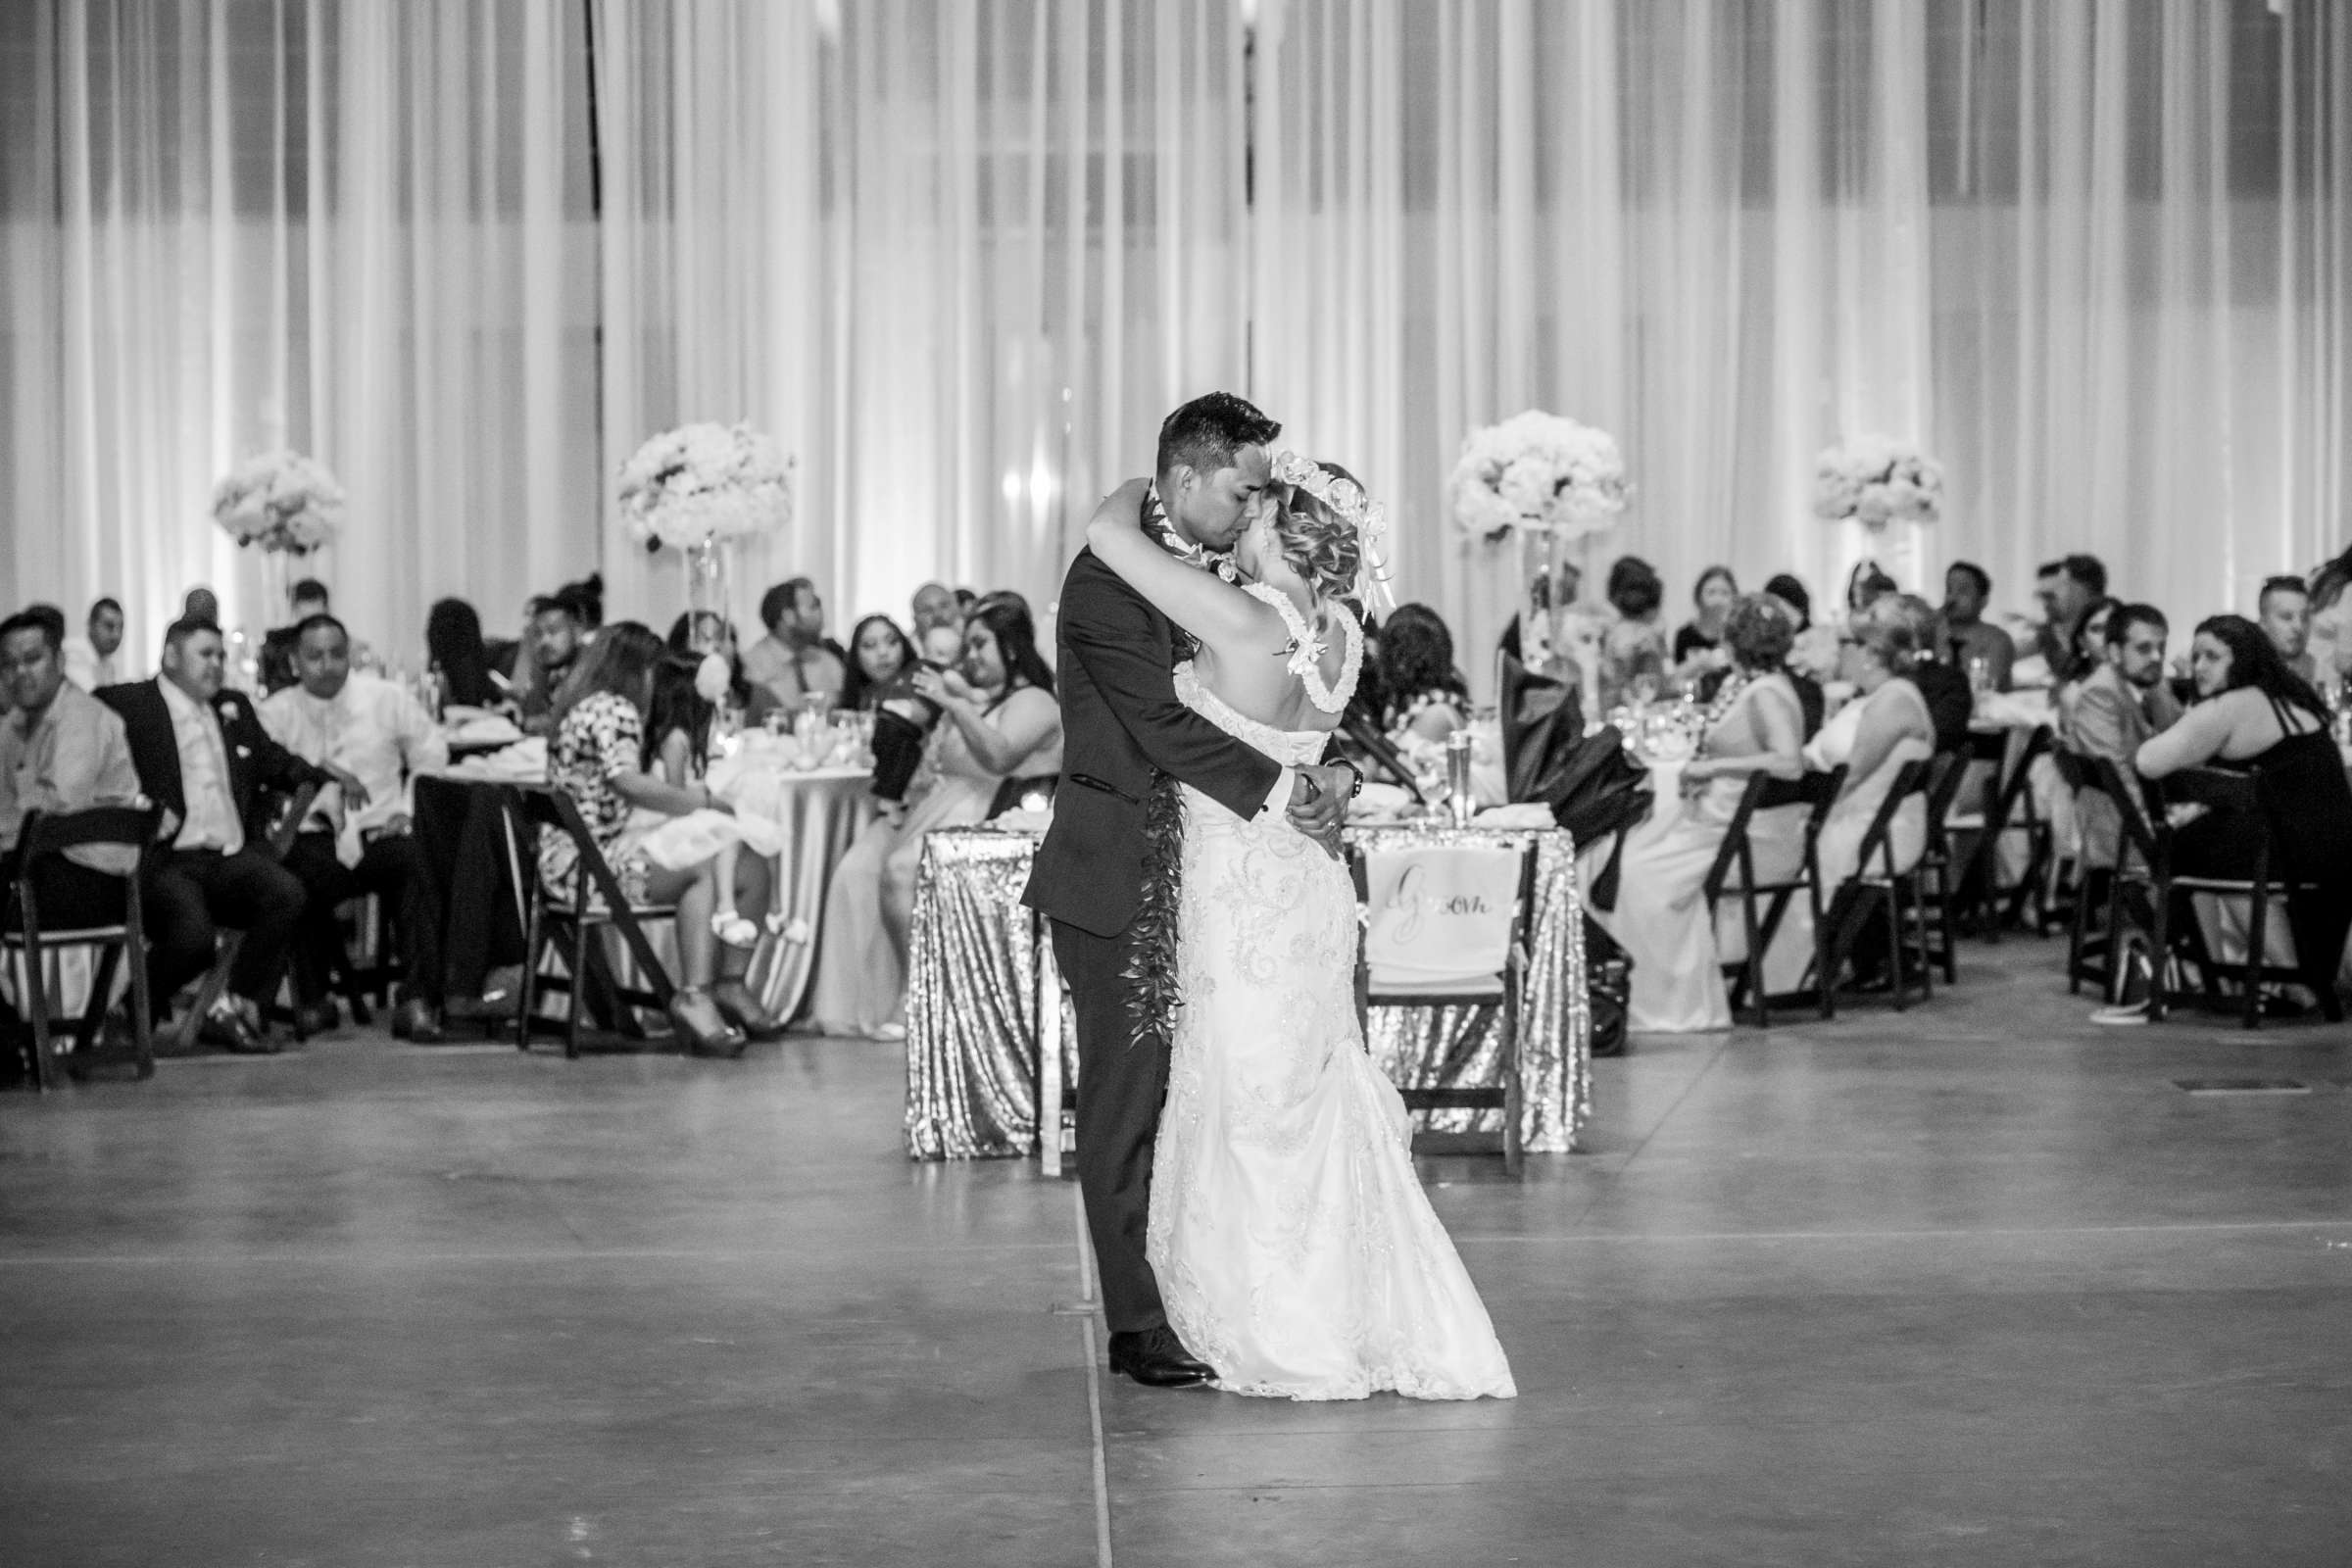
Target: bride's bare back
[(1247, 647)]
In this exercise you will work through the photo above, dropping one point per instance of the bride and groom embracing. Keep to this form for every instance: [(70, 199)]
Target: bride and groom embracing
[(1246, 1170)]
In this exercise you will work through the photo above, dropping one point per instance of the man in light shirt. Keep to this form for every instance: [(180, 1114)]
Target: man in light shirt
[(794, 658), (202, 754), (61, 750), (374, 730), (90, 660)]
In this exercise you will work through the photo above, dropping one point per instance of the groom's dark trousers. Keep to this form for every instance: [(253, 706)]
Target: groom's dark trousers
[(1122, 729)]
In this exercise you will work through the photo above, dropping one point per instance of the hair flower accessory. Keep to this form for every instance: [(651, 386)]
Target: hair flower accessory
[(1348, 501)]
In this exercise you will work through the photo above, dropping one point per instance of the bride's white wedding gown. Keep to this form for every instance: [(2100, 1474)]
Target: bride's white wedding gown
[(1293, 1243)]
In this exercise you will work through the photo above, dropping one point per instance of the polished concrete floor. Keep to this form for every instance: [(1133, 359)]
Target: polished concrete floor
[(1977, 1285)]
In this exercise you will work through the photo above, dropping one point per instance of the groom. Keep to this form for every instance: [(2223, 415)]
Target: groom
[(1122, 729)]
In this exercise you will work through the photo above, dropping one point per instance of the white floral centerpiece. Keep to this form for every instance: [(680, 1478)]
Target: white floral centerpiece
[(1875, 481), (1538, 473), (281, 501), (705, 484)]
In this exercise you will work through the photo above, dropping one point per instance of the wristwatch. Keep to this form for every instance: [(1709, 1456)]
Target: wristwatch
[(1354, 772)]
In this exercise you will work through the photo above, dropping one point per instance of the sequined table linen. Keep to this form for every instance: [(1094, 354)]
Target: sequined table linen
[(979, 964)]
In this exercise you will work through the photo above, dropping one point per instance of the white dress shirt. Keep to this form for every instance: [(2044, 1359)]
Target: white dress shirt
[(372, 729), (86, 667), (212, 820)]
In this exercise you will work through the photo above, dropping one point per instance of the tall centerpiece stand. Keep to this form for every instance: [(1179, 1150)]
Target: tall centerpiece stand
[(1554, 484), (698, 490), (1869, 483), (286, 506)]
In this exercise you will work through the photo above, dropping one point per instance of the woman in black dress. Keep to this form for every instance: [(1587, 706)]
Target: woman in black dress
[(2255, 716)]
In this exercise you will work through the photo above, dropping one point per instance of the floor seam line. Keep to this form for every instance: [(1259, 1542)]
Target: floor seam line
[(1656, 1127), (1088, 1291)]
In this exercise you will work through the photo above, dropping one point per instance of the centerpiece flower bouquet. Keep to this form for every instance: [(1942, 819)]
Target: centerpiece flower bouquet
[(1538, 473), (1875, 481), (281, 501), (704, 484)]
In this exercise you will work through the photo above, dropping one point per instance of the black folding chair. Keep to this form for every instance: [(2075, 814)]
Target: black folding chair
[(1868, 891), (2005, 804), (1935, 860), (48, 835), (595, 900), (2223, 791), (2090, 951), (1813, 794)]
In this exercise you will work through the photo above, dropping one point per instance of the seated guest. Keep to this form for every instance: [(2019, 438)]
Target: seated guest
[(2122, 703), (307, 597), (1950, 704), (879, 656), (2284, 610), (1702, 636), (2255, 716), (1813, 656), (936, 605), (453, 643), (61, 750), (1865, 586), (559, 632), (1000, 722), (679, 728), (1754, 725), (1428, 698), (2087, 655), (2065, 587), (706, 632), (1962, 635), (794, 658), (352, 844), (598, 757), (2330, 646), (201, 753), (1633, 649), (1894, 728), (90, 659), (201, 604)]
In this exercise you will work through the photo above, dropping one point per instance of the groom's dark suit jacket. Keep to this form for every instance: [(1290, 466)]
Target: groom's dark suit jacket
[(1121, 720), (256, 763)]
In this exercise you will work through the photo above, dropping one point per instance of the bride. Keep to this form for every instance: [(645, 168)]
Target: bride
[(1297, 1251)]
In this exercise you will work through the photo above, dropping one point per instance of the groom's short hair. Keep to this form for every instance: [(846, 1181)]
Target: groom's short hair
[(1205, 433)]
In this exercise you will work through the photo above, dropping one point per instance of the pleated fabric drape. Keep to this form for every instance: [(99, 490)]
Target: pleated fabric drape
[(960, 259)]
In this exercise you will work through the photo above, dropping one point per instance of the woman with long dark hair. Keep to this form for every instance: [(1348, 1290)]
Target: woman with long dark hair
[(1001, 721), (598, 756), (453, 641), (880, 655), (1427, 697), (2255, 716)]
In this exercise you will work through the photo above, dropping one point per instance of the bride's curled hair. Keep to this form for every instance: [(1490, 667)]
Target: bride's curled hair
[(1319, 544)]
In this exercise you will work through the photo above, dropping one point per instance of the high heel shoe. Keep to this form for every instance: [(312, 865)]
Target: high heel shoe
[(740, 1007), (726, 1042), (734, 930)]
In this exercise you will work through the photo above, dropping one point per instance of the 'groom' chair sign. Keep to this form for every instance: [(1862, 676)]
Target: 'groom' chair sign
[(1443, 928)]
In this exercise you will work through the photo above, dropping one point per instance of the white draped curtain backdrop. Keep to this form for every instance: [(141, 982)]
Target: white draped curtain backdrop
[(960, 258)]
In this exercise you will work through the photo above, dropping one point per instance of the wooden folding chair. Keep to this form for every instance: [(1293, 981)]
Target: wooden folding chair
[(2005, 797), (2218, 791), (224, 956), (43, 836), (2089, 953), (1887, 887), (1935, 860), (1815, 793), (1501, 992), (595, 902)]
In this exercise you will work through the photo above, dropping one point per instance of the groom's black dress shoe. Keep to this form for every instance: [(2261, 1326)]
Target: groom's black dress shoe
[(1158, 1359)]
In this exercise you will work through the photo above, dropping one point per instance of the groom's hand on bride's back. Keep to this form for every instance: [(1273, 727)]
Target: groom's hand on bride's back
[(1321, 811)]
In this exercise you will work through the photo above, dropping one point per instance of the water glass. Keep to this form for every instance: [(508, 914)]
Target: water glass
[(1979, 674)]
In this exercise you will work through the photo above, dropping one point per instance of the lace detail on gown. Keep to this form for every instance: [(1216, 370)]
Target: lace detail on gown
[(1294, 1245)]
